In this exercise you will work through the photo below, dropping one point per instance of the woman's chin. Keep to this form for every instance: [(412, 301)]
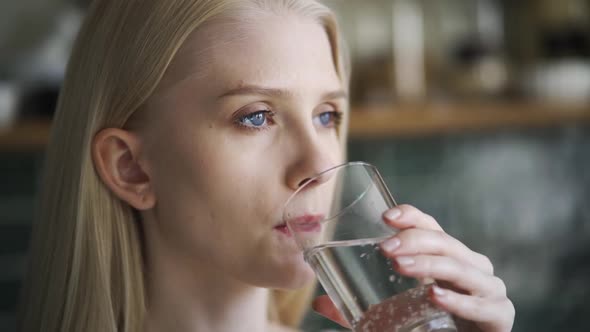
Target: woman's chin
[(291, 276), (299, 279)]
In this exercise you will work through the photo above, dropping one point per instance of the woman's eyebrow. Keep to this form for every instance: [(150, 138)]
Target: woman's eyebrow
[(277, 93), (338, 94)]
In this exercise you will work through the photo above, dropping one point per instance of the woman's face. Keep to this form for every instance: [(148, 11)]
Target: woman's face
[(245, 113)]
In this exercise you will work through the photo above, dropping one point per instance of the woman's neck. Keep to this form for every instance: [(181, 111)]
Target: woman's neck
[(187, 296)]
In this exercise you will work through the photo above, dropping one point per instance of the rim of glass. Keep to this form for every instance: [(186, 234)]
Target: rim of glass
[(331, 169)]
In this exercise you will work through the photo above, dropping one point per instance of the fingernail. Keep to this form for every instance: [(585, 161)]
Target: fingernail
[(391, 244), (393, 214), (405, 261), (438, 291)]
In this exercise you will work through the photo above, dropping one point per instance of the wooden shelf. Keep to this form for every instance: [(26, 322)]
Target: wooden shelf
[(26, 136), (386, 122), (435, 119)]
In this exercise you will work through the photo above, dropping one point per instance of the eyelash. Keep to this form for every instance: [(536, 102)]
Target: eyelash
[(338, 115), (269, 115), (337, 119)]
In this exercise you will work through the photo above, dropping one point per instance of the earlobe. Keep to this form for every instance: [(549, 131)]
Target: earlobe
[(116, 155)]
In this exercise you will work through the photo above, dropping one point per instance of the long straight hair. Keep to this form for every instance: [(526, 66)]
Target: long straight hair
[(85, 263)]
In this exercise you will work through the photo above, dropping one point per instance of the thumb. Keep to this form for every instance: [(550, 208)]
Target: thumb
[(325, 307)]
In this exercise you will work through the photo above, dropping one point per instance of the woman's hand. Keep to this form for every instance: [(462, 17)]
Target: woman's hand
[(466, 283)]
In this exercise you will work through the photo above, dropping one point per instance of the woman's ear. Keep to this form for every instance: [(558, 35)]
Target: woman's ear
[(116, 154)]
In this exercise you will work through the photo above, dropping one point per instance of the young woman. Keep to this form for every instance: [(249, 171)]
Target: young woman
[(182, 128)]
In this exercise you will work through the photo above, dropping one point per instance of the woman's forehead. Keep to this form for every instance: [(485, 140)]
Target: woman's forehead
[(272, 48)]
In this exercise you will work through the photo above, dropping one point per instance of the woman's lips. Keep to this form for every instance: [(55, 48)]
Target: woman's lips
[(303, 224)]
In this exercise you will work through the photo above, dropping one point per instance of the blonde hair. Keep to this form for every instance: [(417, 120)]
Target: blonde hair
[(86, 264)]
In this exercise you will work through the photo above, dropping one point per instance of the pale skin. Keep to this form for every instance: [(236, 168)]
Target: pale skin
[(209, 169)]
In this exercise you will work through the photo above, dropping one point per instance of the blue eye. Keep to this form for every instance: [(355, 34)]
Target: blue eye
[(328, 119), (255, 120)]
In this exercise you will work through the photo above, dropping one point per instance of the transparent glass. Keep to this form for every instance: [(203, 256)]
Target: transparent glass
[(336, 219)]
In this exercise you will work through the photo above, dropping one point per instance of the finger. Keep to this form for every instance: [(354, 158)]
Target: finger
[(493, 315), (416, 241), (406, 216), (324, 306), (459, 275)]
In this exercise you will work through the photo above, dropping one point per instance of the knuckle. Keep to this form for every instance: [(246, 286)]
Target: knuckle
[(431, 221), (511, 310), (500, 286), (442, 238), (508, 316), (487, 265)]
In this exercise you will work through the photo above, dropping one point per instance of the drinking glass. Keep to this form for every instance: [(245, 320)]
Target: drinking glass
[(336, 219)]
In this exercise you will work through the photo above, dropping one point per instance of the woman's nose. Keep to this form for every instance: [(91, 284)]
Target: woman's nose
[(313, 157)]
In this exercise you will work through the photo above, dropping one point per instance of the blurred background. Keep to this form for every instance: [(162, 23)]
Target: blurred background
[(476, 111)]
